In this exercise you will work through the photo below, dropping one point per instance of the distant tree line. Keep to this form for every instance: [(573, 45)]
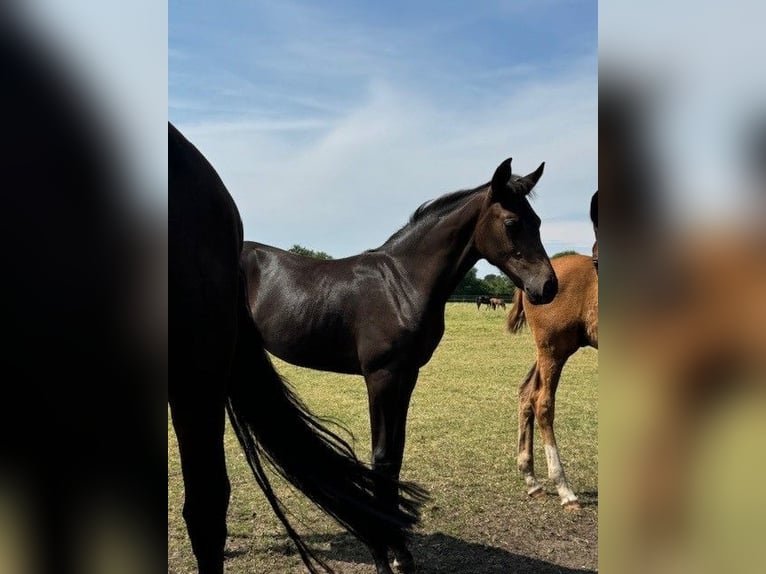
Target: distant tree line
[(492, 285), (300, 250)]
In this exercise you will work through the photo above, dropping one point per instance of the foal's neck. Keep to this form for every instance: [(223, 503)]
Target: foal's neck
[(438, 257)]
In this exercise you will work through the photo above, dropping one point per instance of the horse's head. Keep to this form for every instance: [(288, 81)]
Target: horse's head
[(508, 234)]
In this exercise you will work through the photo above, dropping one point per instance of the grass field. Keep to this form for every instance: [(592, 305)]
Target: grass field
[(461, 446)]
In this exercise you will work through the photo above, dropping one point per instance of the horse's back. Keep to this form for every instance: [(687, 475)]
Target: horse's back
[(344, 315), (578, 274), (303, 308)]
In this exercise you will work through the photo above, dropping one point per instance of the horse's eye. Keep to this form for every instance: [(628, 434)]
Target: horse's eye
[(510, 222)]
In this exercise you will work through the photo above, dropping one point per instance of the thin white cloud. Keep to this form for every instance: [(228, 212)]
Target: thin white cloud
[(335, 131), (345, 185)]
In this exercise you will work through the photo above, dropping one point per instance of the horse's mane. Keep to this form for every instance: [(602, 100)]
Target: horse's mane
[(443, 204), (433, 209)]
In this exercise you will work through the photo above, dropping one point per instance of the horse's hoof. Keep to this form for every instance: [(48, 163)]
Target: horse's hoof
[(571, 506), (536, 492), (383, 567), (403, 562), (404, 566), (380, 556)]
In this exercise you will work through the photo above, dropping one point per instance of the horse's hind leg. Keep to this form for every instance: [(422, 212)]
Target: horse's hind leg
[(545, 406), (389, 397), (525, 459), (199, 426)]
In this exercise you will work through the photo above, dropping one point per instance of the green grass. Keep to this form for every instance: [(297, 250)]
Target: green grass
[(461, 445)]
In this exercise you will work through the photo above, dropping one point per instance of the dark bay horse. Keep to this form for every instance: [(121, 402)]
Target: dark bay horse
[(559, 329), (380, 314), (219, 364)]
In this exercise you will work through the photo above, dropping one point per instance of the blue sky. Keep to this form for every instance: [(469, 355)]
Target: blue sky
[(331, 122)]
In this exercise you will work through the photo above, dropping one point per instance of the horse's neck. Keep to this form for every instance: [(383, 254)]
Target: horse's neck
[(437, 258)]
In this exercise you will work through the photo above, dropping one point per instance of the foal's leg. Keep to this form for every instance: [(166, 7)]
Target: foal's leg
[(545, 406), (525, 459), (389, 397), (199, 426)]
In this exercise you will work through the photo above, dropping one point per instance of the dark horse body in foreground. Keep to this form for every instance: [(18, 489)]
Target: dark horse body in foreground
[(380, 314), (218, 363)]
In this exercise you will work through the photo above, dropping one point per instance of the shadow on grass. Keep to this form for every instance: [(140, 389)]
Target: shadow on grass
[(435, 554), (586, 497)]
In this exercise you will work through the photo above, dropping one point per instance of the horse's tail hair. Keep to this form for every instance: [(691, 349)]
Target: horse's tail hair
[(272, 424), (517, 318)]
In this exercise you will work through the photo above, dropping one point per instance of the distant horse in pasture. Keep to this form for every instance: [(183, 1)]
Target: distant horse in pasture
[(496, 302), (483, 300), (559, 329), (219, 364), (380, 314)]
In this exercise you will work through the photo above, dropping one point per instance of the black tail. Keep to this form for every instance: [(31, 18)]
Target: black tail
[(272, 423)]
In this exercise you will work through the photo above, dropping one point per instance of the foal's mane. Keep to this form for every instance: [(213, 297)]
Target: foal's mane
[(443, 204), (433, 209)]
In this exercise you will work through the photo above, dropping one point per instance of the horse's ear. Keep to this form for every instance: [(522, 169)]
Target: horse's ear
[(501, 180), (523, 185), (504, 182)]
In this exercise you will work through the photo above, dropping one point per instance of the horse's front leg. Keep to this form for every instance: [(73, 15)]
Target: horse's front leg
[(389, 395), (545, 405), (525, 459)]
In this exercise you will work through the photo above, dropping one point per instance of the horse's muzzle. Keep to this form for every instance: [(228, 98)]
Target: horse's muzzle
[(542, 292)]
